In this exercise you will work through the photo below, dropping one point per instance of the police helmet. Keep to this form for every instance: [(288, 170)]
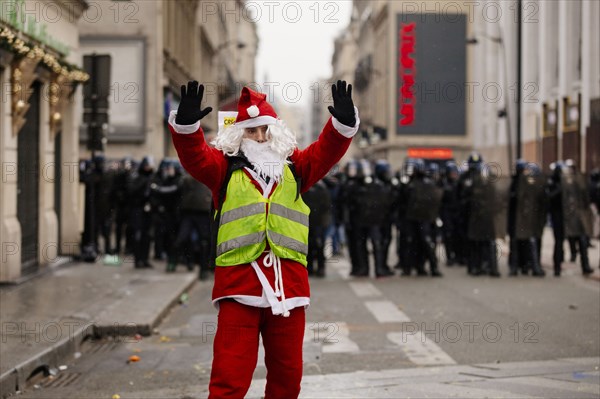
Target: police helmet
[(383, 170)]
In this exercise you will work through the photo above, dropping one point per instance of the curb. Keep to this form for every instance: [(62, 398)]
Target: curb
[(144, 329), (14, 379)]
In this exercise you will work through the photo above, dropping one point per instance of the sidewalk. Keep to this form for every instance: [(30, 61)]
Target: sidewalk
[(45, 319)]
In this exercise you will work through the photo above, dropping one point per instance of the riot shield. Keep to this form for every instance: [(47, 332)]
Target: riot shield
[(531, 208), (575, 214), (481, 212), (371, 205), (501, 188), (585, 213), (424, 201)]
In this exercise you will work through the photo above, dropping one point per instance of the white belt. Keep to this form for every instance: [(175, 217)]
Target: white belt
[(277, 307)]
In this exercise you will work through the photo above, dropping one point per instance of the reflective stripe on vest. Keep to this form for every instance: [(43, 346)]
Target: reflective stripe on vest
[(245, 226)]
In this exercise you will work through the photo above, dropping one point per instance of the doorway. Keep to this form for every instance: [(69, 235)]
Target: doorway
[(28, 182)]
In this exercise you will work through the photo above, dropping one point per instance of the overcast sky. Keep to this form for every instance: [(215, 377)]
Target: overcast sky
[(296, 44)]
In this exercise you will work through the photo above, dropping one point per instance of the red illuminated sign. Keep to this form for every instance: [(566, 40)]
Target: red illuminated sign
[(430, 153), (406, 73)]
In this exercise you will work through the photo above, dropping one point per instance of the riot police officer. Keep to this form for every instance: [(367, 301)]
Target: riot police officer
[(99, 183), (403, 230), (166, 196), (318, 200), (450, 213), (122, 206), (333, 181), (480, 199), (389, 184), (423, 203), (569, 212), (141, 211), (348, 181), (525, 217), (194, 236), (365, 200)]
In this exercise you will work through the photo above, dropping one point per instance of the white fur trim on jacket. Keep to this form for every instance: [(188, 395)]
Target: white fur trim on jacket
[(183, 129)]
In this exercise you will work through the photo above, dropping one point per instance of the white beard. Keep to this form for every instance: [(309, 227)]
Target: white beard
[(265, 160)]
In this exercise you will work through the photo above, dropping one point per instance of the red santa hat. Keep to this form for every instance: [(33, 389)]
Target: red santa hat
[(254, 110)]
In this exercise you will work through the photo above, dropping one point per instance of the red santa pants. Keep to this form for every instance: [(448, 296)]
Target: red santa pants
[(236, 351)]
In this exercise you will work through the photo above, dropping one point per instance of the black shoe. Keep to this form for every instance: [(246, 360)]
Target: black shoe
[(513, 272), (148, 265), (320, 273), (139, 265), (556, 273), (404, 273), (436, 273), (588, 271), (538, 273), (361, 273), (495, 274)]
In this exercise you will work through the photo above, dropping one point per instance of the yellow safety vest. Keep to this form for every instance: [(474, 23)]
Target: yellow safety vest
[(245, 226)]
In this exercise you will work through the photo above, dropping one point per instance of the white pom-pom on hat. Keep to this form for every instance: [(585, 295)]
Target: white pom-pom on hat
[(253, 111)]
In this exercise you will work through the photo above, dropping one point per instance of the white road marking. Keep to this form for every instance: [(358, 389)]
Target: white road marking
[(334, 337), (386, 312), (364, 289), (420, 349)]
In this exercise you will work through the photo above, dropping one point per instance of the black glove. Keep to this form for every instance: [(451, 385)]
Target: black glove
[(189, 111), (343, 107)]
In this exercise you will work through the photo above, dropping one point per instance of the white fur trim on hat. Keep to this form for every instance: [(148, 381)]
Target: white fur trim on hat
[(255, 122), (253, 111)]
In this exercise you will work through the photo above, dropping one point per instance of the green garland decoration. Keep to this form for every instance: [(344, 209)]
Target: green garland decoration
[(10, 41)]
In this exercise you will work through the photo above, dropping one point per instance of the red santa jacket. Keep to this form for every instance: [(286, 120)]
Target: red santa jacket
[(209, 166)]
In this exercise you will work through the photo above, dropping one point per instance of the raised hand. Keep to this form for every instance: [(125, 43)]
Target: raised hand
[(189, 111), (343, 107)]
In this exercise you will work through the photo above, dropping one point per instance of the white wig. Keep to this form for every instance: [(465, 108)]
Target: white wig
[(282, 140)]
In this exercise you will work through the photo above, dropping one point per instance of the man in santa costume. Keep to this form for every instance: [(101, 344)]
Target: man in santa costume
[(256, 175)]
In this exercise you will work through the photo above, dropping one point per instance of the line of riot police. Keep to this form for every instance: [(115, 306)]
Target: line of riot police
[(138, 205), (467, 211)]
